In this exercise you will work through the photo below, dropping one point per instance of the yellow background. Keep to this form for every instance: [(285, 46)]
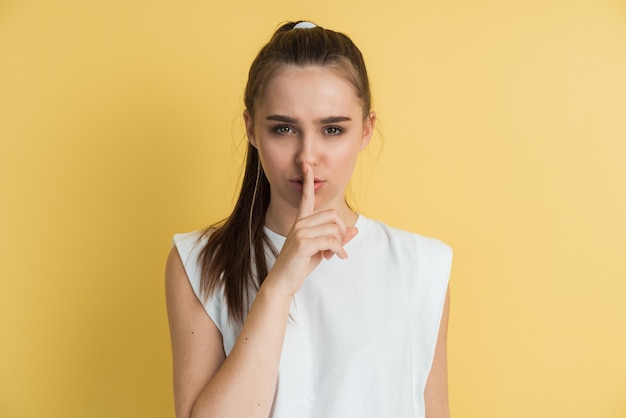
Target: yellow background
[(503, 132)]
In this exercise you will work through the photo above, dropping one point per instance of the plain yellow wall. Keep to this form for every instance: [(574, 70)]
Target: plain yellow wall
[(504, 131)]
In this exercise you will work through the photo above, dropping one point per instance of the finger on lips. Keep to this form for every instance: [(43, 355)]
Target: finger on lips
[(307, 204), (331, 223)]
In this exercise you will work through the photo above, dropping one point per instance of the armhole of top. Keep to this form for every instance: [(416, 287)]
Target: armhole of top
[(434, 266), (189, 246)]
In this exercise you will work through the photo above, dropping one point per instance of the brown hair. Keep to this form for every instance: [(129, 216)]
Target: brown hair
[(234, 256)]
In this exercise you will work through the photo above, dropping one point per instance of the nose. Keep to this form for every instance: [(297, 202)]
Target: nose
[(307, 151)]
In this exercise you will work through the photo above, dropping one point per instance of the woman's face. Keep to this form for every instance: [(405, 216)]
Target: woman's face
[(308, 115)]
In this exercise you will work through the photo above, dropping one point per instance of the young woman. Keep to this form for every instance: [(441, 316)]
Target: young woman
[(296, 306)]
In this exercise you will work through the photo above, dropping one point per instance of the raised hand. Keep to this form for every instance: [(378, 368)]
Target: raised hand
[(313, 236)]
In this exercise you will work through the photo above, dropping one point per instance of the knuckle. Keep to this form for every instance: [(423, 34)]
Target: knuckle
[(332, 241), (299, 235)]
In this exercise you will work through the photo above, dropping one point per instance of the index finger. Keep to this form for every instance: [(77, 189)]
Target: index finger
[(307, 204)]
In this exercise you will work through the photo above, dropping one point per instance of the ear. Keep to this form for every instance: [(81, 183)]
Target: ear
[(248, 120), (368, 129)]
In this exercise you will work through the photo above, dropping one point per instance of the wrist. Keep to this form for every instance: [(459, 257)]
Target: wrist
[(273, 290)]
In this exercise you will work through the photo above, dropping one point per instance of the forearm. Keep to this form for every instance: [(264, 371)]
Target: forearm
[(245, 383)]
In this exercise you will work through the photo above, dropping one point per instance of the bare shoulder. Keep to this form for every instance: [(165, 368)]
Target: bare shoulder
[(197, 348), (174, 269), (173, 266), (436, 391), (177, 285), (185, 310)]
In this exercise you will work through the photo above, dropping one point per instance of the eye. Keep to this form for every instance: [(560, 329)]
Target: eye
[(283, 129), (333, 130)]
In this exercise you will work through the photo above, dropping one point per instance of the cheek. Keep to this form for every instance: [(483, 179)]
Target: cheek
[(272, 161), (345, 157)]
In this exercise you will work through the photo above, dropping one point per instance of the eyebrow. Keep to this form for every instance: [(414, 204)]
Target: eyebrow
[(323, 121)]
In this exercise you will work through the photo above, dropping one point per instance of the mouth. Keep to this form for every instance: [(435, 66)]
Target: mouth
[(301, 180), (298, 182)]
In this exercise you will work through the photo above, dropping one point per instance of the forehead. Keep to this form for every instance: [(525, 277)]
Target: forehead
[(296, 89)]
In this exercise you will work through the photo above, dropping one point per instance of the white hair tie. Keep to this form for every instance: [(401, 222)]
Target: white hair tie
[(305, 25)]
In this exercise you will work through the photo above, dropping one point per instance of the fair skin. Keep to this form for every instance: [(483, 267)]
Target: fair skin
[(308, 128)]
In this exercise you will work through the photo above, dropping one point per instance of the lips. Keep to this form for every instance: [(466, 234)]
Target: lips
[(298, 182)]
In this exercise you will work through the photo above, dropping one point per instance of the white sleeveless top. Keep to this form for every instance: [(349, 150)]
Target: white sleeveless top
[(361, 338)]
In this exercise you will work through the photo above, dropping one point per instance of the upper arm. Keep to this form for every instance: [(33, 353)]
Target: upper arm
[(436, 391), (197, 349)]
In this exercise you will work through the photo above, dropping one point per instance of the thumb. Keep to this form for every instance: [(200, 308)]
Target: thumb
[(351, 232)]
